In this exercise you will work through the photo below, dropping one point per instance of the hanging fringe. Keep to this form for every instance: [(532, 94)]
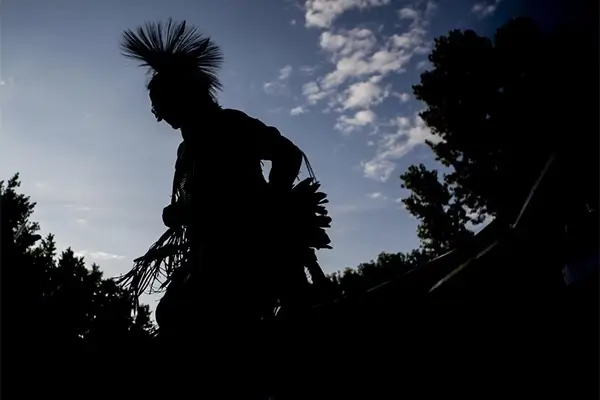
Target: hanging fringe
[(151, 272), (311, 173)]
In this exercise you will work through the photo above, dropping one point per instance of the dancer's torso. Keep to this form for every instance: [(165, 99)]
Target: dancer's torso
[(229, 197), (224, 173)]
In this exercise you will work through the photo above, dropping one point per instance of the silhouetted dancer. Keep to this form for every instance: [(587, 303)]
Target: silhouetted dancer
[(237, 246)]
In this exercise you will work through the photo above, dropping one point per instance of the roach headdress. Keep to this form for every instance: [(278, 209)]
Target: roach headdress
[(174, 49)]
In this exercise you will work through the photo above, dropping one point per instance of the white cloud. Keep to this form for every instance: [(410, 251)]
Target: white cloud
[(313, 92), (377, 195), (358, 206), (422, 64), (98, 255), (361, 63), (410, 132), (404, 97), (348, 43), (362, 59), (279, 86), (298, 110), (293, 22), (365, 94), (415, 37), (322, 13), (401, 122), (408, 13), (411, 39), (285, 72), (378, 169), (81, 221), (484, 9), (85, 208), (362, 118), (308, 69), (275, 87)]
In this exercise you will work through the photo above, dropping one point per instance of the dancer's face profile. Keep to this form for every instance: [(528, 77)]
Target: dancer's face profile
[(166, 107), (176, 103), (168, 103)]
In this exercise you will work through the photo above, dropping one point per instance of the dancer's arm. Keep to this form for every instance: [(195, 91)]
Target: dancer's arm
[(285, 157), (271, 145)]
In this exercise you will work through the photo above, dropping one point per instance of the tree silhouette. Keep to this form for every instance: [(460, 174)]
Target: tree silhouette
[(511, 115), (502, 106), (58, 309), (387, 266), (442, 221)]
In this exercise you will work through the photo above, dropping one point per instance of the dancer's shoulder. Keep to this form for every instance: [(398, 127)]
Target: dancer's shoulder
[(180, 148), (231, 112), (239, 117)]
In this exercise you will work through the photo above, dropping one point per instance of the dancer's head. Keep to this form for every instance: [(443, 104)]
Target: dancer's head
[(183, 64), (178, 99)]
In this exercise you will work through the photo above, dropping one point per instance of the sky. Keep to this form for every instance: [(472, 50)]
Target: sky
[(334, 76)]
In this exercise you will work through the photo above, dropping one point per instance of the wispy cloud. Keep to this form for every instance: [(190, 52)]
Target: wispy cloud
[(83, 208), (322, 13), (280, 85), (357, 54), (298, 110), (7, 81), (410, 132), (423, 64), (313, 92), (349, 124), (285, 72), (365, 94), (370, 202), (308, 69), (362, 59), (377, 195), (485, 9), (359, 206), (403, 97), (98, 255)]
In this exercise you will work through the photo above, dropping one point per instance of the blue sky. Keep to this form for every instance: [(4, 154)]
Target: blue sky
[(334, 76)]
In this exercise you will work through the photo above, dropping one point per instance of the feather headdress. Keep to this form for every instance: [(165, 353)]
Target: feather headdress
[(175, 49)]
